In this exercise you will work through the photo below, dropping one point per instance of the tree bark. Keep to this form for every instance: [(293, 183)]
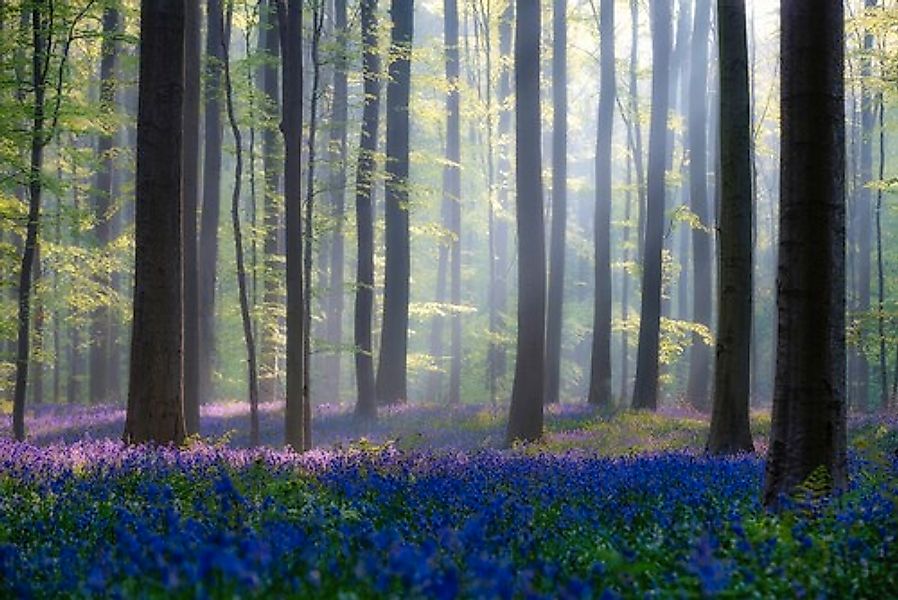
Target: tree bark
[(191, 176), (730, 431), (155, 395), (452, 192), (555, 306), (392, 367), (366, 403), (290, 17), (525, 419), (210, 216), (600, 369), (808, 430), (697, 389), (645, 394)]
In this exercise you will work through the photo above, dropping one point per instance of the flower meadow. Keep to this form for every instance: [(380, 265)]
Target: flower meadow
[(93, 518)]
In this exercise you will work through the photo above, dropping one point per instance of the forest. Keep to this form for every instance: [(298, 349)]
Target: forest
[(448, 299)]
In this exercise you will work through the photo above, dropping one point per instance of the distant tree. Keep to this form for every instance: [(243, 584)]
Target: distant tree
[(452, 190), (600, 370), (366, 403), (155, 396), (290, 19), (808, 433), (392, 368), (191, 175), (555, 309), (645, 394), (210, 215), (730, 430), (101, 342), (697, 388), (525, 419)]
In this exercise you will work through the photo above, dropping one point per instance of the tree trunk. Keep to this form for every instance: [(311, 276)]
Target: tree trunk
[(366, 403), (290, 17), (392, 368), (246, 318), (272, 297), (600, 371), (525, 419), (210, 216), (730, 432), (340, 115), (880, 274), (101, 346), (452, 192), (554, 313), (190, 157), (637, 129), (808, 431), (645, 394), (40, 50), (697, 388), (155, 395)]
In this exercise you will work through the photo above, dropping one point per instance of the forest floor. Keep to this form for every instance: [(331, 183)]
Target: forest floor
[(427, 506)]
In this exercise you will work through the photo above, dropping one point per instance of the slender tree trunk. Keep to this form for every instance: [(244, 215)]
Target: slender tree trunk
[(252, 378), (210, 216), (880, 275), (645, 394), (272, 297), (340, 115), (37, 388), (366, 403), (554, 314), (600, 371), (452, 191), (730, 430), (808, 431), (101, 346), (290, 17), (700, 353), (637, 129), (191, 176), (435, 380), (392, 367), (155, 395), (525, 419), (35, 189)]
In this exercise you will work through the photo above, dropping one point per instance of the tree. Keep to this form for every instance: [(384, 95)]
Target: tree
[(600, 368), (366, 403), (392, 368), (730, 431), (155, 395), (525, 418), (210, 217), (452, 190), (808, 431), (645, 394), (191, 174), (290, 19), (101, 343), (554, 314), (697, 387)]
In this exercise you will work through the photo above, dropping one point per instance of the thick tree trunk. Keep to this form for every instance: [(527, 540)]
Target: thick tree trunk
[(392, 367), (697, 389), (210, 216), (525, 419), (290, 17), (190, 157), (808, 432), (600, 370), (101, 344), (554, 309), (272, 297), (155, 395), (645, 394), (366, 403), (730, 430)]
